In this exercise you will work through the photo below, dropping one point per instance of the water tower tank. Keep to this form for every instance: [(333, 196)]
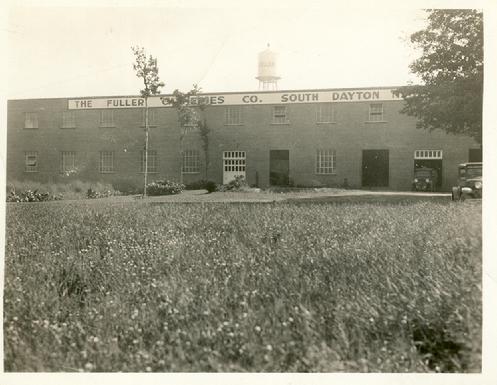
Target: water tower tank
[(267, 73)]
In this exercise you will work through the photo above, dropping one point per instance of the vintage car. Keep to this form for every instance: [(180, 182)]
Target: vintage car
[(469, 182), (425, 179)]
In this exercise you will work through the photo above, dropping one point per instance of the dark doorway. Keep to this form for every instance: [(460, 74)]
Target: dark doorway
[(279, 167), (475, 155), (375, 168), (435, 164)]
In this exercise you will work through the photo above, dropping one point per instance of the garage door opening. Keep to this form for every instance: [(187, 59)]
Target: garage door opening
[(430, 159), (279, 167), (375, 168)]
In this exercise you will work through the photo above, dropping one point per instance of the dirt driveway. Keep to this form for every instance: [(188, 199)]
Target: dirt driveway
[(254, 195)]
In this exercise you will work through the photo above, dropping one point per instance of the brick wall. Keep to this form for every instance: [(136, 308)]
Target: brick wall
[(349, 135)]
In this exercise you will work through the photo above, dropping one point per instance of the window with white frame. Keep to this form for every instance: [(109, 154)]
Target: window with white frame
[(428, 154), (280, 115), (151, 161), (31, 161), (233, 116), (67, 161), (152, 117), (68, 119), (325, 113), (325, 161), (107, 118), (106, 161), (191, 162), (31, 120), (376, 112)]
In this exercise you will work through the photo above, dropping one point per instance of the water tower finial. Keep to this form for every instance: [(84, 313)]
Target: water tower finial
[(267, 74)]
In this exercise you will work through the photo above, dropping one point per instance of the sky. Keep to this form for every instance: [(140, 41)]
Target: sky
[(64, 51)]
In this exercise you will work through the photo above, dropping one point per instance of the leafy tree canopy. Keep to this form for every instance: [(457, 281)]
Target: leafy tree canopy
[(147, 70), (451, 68)]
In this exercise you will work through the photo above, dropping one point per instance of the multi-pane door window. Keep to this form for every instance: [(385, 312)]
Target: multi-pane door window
[(325, 161), (67, 161), (31, 161), (376, 112), (234, 161), (191, 162), (107, 118), (106, 161), (152, 117), (68, 119), (428, 154), (233, 116), (151, 161), (280, 115), (30, 120), (325, 113)]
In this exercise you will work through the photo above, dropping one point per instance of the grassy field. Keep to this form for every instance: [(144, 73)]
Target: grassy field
[(356, 287)]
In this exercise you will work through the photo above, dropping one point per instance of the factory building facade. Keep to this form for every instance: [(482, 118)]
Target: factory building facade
[(329, 137)]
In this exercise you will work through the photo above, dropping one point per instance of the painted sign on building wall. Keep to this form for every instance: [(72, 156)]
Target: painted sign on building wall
[(284, 97)]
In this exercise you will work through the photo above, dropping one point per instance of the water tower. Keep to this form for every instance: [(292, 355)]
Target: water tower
[(267, 76)]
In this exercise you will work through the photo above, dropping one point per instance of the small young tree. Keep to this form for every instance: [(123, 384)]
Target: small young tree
[(147, 70), (189, 118), (204, 135)]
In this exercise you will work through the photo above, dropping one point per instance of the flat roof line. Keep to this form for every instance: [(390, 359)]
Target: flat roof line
[(216, 93)]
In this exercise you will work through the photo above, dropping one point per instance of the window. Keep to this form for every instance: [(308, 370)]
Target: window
[(428, 154), (151, 161), (152, 117), (107, 118), (233, 116), (325, 113), (280, 115), (234, 161), (325, 161), (31, 161), (106, 161), (376, 112), (30, 120), (67, 161), (191, 162), (68, 119)]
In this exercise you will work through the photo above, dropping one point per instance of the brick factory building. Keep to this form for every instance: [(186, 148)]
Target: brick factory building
[(326, 137)]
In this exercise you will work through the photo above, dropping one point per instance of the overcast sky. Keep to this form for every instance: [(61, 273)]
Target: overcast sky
[(85, 51)]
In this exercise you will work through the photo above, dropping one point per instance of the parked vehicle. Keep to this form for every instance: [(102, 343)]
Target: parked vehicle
[(425, 179), (469, 182)]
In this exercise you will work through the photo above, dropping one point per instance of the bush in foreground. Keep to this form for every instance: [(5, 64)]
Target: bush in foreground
[(32, 196), (164, 187), (74, 189), (237, 184)]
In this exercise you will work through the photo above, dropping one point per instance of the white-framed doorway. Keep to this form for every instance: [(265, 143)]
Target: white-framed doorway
[(234, 163)]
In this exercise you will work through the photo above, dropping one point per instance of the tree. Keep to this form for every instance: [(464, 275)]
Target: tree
[(189, 118), (451, 68), (147, 70)]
